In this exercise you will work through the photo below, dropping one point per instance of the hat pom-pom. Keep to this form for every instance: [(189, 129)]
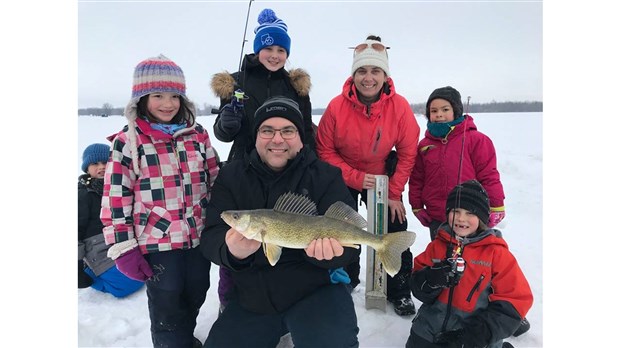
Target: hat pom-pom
[(267, 16)]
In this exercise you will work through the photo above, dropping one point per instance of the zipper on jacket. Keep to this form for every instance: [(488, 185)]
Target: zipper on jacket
[(445, 139), (268, 88), (376, 145), (476, 286)]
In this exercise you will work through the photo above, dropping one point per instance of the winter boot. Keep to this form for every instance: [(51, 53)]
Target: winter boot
[(523, 327), (403, 306), (84, 280), (196, 343), (507, 345)]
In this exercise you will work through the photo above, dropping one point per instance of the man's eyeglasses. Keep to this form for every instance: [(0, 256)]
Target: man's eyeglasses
[(375, 46), (285, 133)]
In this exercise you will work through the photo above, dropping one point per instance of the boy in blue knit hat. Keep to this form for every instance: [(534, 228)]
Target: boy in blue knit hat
[(95, 268)]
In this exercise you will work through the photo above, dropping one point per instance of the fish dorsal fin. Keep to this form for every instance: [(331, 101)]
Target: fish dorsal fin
[(295, 204), (341, 211)]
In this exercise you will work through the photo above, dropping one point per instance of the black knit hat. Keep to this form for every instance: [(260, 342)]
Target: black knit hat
[(280, 107), (470, 196), (451, 95)]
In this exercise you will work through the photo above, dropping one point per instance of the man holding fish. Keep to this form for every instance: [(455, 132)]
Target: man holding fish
[(295, 285)]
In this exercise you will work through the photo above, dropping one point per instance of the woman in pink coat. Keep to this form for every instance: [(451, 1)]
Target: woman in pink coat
[(357, 133)]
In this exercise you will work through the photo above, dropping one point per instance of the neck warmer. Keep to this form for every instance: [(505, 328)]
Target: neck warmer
[(167, 128), (440, 130)]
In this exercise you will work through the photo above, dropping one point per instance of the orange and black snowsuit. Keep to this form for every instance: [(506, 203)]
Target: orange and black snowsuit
[(493, 288)]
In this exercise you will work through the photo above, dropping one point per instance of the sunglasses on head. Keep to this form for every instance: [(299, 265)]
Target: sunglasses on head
[(375, 46)]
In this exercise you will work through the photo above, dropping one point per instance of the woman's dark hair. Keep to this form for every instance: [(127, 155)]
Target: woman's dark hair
[(184, 114), (373, 37)]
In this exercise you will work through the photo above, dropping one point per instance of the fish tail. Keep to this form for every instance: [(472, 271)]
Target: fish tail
[(392, 246)]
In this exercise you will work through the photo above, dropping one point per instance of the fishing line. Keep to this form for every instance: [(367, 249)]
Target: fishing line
[(457, 202), (245, 30)]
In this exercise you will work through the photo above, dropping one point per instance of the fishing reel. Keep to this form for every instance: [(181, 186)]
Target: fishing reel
[(236, 102), (237, 99), (458, 267)]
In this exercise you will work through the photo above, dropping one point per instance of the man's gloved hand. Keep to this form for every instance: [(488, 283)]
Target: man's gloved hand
[(497, 215), (133, 265), (230, 118), (423, 216)]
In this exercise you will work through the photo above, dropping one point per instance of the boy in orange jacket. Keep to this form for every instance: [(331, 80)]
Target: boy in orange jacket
[(473, 291)]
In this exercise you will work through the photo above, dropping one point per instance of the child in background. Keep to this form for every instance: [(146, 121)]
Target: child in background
[(440, 155), (156, 188), (262, 76), (95, 268), (472, 289)]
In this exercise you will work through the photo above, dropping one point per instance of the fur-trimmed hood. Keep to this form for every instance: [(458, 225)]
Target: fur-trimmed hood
[(223, 83)]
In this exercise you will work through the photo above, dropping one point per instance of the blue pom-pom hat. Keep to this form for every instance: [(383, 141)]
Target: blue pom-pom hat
[(94, 153), (271, 31)]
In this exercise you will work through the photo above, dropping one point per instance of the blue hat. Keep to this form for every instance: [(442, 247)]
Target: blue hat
[(94, 153), (271, 31)]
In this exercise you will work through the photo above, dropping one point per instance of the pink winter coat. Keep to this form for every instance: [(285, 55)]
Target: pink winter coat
[(436, 168), (358, 140), (164, 207)]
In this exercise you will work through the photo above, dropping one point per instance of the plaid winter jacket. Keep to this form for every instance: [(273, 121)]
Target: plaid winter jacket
[(164, 206)]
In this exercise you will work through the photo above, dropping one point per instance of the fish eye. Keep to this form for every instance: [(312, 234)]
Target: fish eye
[(236, 216)]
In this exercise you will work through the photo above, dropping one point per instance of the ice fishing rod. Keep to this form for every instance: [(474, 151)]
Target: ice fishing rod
[(449, 251), (458, 175), (244, 32), (238, 96)]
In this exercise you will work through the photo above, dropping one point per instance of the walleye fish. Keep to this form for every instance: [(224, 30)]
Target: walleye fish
[(294, 222)]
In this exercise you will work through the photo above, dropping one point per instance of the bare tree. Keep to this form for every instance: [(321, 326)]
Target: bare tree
[(106, 109)]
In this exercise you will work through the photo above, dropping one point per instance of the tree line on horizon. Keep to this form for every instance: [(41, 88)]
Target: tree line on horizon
[(418, 109)]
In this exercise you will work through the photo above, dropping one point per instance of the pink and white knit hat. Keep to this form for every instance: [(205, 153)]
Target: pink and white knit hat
[(157, 74), (153, 75)]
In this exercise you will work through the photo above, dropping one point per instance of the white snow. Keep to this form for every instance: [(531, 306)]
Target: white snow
[(104, 321)]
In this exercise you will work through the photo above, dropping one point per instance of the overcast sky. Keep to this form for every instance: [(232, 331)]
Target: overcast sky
[(487, 50)]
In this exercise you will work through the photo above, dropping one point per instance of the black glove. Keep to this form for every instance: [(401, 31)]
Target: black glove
[(84, 280), (230, 118), (475, 334), (439, 275), (390, 163)]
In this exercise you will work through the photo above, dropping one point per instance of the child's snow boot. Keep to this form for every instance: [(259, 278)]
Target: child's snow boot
[(523, 327), (403, 306)]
